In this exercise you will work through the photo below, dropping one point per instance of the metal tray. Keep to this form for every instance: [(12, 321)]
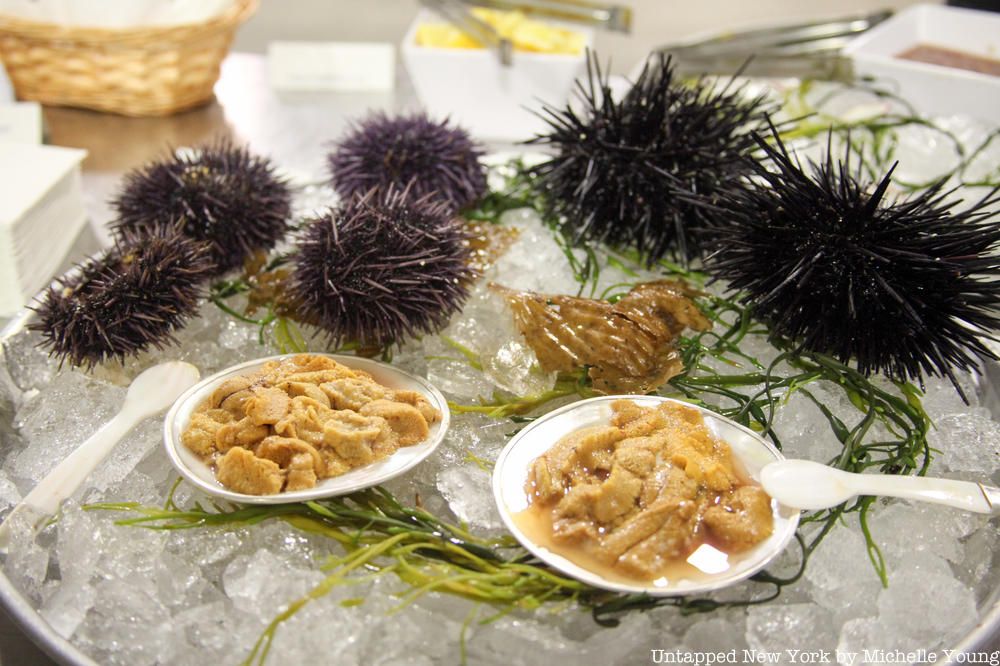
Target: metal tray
[(268, 113)]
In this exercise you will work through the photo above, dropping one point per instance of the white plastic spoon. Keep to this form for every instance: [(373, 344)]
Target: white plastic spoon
[(150, 393), (810, 486)]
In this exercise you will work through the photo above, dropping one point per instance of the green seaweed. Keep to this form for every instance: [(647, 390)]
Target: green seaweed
[(380, 535)]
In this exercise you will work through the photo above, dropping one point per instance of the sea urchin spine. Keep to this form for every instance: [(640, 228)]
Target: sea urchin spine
[(132, 297), (430, 159), (220, 194), (905, 287), (381, 268), (646, 171)]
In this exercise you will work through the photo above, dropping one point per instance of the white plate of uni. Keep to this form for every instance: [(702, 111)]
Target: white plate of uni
[(199, 473), (717, 569)]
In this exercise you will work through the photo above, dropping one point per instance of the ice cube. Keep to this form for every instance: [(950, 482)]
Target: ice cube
[(804, 431), (308, 637), (66, 608), (513, 367), (840, 558), (980, 555), (535, 262), (869, 642), (9, 494), (212, 633), (901, 528), (469, 493), (30, 367), (968, 441), (843, 578), (515, 641), (922, 562), (419, 633), (947, 607), (118, 470), (254, 585), (236, 335), (55, 422), (941, 399), (716, 634), (457, 379), (180, 584), (929, 155), (776, 628), (126, 625), (27, 561)]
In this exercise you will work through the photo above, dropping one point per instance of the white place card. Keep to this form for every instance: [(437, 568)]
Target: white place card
[(21, 122), (336, 66), (6, 87)]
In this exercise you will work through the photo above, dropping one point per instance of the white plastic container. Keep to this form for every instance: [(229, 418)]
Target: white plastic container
[(490, 100), (934, 89)]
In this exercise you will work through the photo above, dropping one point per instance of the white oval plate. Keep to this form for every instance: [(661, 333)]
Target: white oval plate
[(510, 475), (200, 474)]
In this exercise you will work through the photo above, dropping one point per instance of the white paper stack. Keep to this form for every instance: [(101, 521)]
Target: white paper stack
[(41, 214), (21, 122), (6, 87)]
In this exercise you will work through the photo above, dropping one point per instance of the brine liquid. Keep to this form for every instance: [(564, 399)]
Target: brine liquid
[(705, 561), (638, 499), (939, 55)]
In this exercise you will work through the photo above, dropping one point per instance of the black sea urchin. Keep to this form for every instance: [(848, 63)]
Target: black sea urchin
[(132, 297), (646, 171), (904, 288), (381, 268), (430, 158), (221, 194)]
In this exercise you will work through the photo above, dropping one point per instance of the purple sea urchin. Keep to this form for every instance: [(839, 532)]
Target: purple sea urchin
[(904, 287), (648, 170), (430, 158), (132, 297), (221, 194), (381, 268)]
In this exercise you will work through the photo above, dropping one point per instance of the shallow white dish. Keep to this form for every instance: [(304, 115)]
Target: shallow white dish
[(475, 91), (934, 89), (511, 474), (192, 468)]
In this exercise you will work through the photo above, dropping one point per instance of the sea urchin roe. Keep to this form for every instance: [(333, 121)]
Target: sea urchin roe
[(300, 420), (636, 498)]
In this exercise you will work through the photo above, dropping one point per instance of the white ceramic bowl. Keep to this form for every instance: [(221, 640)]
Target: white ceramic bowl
[(192, 468), (492, 101), (511, 475), (934, 89)]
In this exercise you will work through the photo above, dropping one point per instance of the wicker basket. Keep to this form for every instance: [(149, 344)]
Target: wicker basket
[(149, 71)]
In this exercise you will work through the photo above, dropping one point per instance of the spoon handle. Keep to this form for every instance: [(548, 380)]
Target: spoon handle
[(67, 476), (959, 494)]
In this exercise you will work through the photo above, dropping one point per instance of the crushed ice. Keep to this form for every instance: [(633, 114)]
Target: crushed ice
[(135, 596)]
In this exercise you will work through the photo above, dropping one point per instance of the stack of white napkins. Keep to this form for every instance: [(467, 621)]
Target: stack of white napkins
[(41, 213), (20, 121)]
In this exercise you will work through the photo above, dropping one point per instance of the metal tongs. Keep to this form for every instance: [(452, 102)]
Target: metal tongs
[(457, 12), (806, 50)]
